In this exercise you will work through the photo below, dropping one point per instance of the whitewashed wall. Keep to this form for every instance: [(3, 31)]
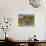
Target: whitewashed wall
[(11, 8)]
